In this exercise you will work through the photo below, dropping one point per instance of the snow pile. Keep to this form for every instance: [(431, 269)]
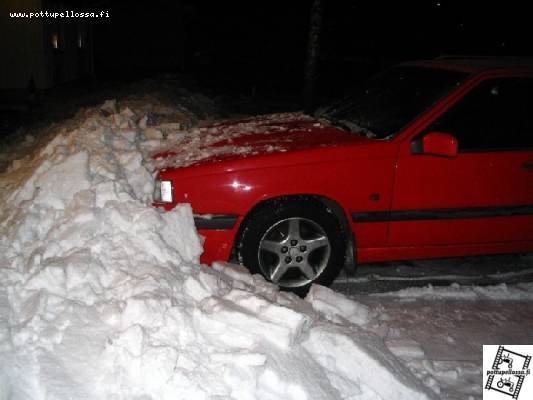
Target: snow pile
[(102, 296)]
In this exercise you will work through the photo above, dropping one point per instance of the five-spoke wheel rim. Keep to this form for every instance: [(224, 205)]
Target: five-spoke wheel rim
[(294, 252)]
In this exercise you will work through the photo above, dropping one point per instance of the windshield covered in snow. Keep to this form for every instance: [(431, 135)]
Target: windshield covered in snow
[(389, 101)]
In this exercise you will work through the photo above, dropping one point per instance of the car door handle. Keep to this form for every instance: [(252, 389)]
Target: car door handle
[(528, 166)]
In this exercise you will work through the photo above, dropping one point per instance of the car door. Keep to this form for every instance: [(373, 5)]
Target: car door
[(484, 194)]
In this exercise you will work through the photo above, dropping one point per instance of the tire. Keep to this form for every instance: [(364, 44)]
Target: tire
[(293, 244)]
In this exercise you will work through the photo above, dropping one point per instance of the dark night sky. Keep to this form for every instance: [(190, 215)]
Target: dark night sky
[(235, 45)]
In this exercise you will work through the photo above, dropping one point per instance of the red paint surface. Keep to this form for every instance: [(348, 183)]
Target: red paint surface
[(348, 168)]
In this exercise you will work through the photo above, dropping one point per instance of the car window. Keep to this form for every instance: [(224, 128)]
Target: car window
[(496, 115), (386, 103)]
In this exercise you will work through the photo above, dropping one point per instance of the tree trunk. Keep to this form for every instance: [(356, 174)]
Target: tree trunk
[(313, 48)]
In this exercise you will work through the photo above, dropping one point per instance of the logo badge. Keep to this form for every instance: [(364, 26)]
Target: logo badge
[(506, 372)]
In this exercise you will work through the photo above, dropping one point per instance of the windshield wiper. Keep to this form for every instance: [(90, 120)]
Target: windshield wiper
[(351, 127), (339, 124)]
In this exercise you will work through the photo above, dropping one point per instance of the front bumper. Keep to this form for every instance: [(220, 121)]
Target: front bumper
[(219, 232), (218, 245)]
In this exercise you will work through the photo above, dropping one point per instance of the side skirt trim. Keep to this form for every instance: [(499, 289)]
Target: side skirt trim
[(443, 213)]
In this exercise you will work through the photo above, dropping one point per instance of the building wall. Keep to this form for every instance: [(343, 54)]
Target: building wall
[(72, 59), (21, 46), (27, 47)]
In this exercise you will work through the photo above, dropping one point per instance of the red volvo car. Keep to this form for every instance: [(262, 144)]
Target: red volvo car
[(428, 159)]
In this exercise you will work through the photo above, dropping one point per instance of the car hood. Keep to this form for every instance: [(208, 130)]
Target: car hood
[(252, 137)]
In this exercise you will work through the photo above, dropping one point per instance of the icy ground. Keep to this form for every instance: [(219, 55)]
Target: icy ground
[(397, 275), (102, 296), (435, 316)]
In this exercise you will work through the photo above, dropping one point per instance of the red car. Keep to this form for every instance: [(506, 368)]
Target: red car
[(428, 159)]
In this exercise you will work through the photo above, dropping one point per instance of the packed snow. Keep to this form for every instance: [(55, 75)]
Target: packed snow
[(218, 139), (523, 291), (439, 332), (103, 296)]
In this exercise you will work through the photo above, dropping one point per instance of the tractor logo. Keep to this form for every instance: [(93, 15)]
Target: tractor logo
[(507, 383), (505, 359), (508, 373)]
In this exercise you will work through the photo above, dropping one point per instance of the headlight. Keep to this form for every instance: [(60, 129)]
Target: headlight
[(163, 191)]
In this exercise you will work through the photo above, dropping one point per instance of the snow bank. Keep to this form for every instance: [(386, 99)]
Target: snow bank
[(102, 296)]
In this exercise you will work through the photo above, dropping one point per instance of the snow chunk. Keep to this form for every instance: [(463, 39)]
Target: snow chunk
[(336, 307), (57, 181), (253, 318), (109, 107)]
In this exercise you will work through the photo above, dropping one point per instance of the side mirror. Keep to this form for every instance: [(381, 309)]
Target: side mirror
[(436, 144)]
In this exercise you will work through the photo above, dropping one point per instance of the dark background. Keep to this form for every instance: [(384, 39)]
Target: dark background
[(250, 56), (259, 47)]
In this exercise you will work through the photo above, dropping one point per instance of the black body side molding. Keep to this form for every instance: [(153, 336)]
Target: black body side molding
[(443, 213), (215, 221)]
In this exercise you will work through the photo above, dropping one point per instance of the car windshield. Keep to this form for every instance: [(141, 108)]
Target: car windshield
[(389, 101)]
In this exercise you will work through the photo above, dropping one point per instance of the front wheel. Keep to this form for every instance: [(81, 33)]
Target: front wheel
[(293, 244)]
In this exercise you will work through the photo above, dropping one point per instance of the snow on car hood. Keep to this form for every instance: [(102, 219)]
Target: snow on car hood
[(102, 296), (267, 134)]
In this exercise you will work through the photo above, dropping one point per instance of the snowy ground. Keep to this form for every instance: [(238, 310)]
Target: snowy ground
[(436, 314), (102, 296), (479, 271), (441, 339)]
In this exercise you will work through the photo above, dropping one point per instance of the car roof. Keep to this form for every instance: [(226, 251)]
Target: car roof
[(476, 64)]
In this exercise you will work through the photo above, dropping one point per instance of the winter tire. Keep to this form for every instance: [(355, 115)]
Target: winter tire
[(293, 244)]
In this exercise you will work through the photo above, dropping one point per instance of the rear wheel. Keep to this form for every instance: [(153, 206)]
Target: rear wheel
[(293, 244)]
